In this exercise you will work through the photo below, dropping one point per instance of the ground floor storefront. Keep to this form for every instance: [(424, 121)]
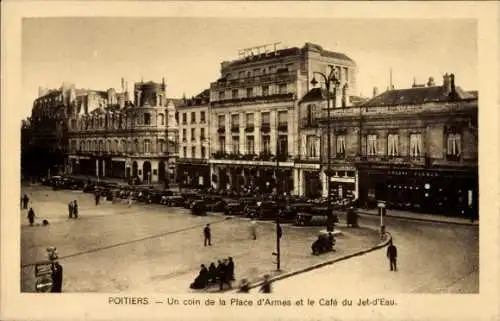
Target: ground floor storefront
[(193, 175), (137, 170), (437, 191)]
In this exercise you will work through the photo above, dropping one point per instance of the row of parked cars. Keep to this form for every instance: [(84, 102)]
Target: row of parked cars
[(296, 210)]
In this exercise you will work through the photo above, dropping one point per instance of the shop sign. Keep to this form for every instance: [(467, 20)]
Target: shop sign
[(249, 163), (307, 166)]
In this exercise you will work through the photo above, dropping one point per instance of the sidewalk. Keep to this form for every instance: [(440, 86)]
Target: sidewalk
[(420, 216)]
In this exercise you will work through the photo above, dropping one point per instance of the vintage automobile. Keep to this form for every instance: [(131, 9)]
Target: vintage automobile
[(316, 215), (237, 207), (214, 203), (174, 200), (189, 198), (289, 213), (198, 207), (266, 210)]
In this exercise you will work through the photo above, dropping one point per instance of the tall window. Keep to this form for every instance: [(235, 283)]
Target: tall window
[(123, 145), (161, 146), (193, 152), (250, 145), (371, 145), (222, 95), (282, 89), (266, 144), (266, 119), (416, 145), (249, 92), (282, 118), (184, 135), (340, 145), (311, 146), (202, 134), (193, 134), (265, 90), (393, 145), (454, 145), (101, 146), (311, 110), (193, 117), (184, 151), (236, 144), (235, 121), (203, 152), (162, 119), (115, 146), (147, 119), (184, 118), (136, 146), (250, 120), (282, 145), (222, 144), (202, 116), (147, 146), (234, 93), (222, 121)]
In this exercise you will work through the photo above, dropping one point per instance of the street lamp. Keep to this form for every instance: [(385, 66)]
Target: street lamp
[(330, 80)]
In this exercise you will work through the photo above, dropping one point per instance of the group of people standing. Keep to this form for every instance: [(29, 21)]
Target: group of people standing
[(73, 209), (221, 274)]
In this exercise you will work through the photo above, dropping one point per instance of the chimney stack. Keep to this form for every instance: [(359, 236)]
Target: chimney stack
[(446, 83), (123, 84), (452, 83), (375, 91), (431, 82)]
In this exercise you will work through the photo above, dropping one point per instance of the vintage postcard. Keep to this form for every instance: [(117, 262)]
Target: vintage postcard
[(249, 160)]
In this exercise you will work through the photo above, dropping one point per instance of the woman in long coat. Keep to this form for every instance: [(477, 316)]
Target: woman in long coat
[(31, 216)]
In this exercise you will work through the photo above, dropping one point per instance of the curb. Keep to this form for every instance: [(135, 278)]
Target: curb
[(422, 219), (325, 263)]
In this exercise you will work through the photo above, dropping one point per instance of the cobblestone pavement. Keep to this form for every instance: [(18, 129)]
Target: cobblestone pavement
[(114, 247)]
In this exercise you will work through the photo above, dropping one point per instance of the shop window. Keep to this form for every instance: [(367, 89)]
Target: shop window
[(371, 145), (416, 145), (393, 145)]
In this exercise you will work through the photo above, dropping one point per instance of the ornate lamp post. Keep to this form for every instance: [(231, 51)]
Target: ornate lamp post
[(331, 81)]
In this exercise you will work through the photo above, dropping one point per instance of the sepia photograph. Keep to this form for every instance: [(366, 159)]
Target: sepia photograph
[(242, 157)]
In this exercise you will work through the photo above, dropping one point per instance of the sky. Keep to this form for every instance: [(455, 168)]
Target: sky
[(96, 52)]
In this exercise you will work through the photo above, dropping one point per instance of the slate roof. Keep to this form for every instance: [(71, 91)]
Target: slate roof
[(415, 96)]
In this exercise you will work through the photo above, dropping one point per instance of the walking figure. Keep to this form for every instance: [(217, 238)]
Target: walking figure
[(70, 209), (31, 216), (57, 277), (26, 200), (208, 235), (97, 197), (392, 253), (266, 286), (224, 277), (75, 208), (253, 229), (230, 269)]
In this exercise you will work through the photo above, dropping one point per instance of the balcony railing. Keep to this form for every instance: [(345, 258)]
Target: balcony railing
[(283, 127), (305, 123), (401, 160), (221, 130), (249, 129), (235, 128), (265, 127)]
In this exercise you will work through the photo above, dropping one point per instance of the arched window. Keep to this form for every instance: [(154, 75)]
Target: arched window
[(115, 146), (108, 146), (101, 146)]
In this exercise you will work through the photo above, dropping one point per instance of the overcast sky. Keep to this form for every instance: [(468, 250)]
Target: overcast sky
[(96, 52)]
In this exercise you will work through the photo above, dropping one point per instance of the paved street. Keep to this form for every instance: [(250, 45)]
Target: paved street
[(432, 258), (113, 248)]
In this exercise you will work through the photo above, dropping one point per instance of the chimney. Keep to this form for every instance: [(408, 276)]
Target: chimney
[(375, 91), (431, 82), (123, 84), (452, 84), (446, 83)]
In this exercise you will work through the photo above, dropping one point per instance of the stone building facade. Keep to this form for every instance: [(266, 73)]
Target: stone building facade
[(254, 116), (134, 140), (194, 143), (415, 148)]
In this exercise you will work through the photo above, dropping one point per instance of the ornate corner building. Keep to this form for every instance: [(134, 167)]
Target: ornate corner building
[(112, 136), (254, 115)]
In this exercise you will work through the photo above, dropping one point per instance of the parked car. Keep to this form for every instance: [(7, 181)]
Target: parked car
[(266, 210), (289, 213), (189, 198), (174, 200), (214, 203), (198, 207), (237, 207), (316, 215)]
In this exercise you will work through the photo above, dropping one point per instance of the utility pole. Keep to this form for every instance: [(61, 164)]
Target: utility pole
[(278, 212)]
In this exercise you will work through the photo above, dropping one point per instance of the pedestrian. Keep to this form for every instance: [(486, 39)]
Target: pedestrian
[(70, 209), (57, 277), (230, 268), (31, 216), (212, 273), (97, 197), (253, 229), (75, 208), (26, 200), (244, 286), (224, 277), (266, 285), (392, 253), (208, 235)]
